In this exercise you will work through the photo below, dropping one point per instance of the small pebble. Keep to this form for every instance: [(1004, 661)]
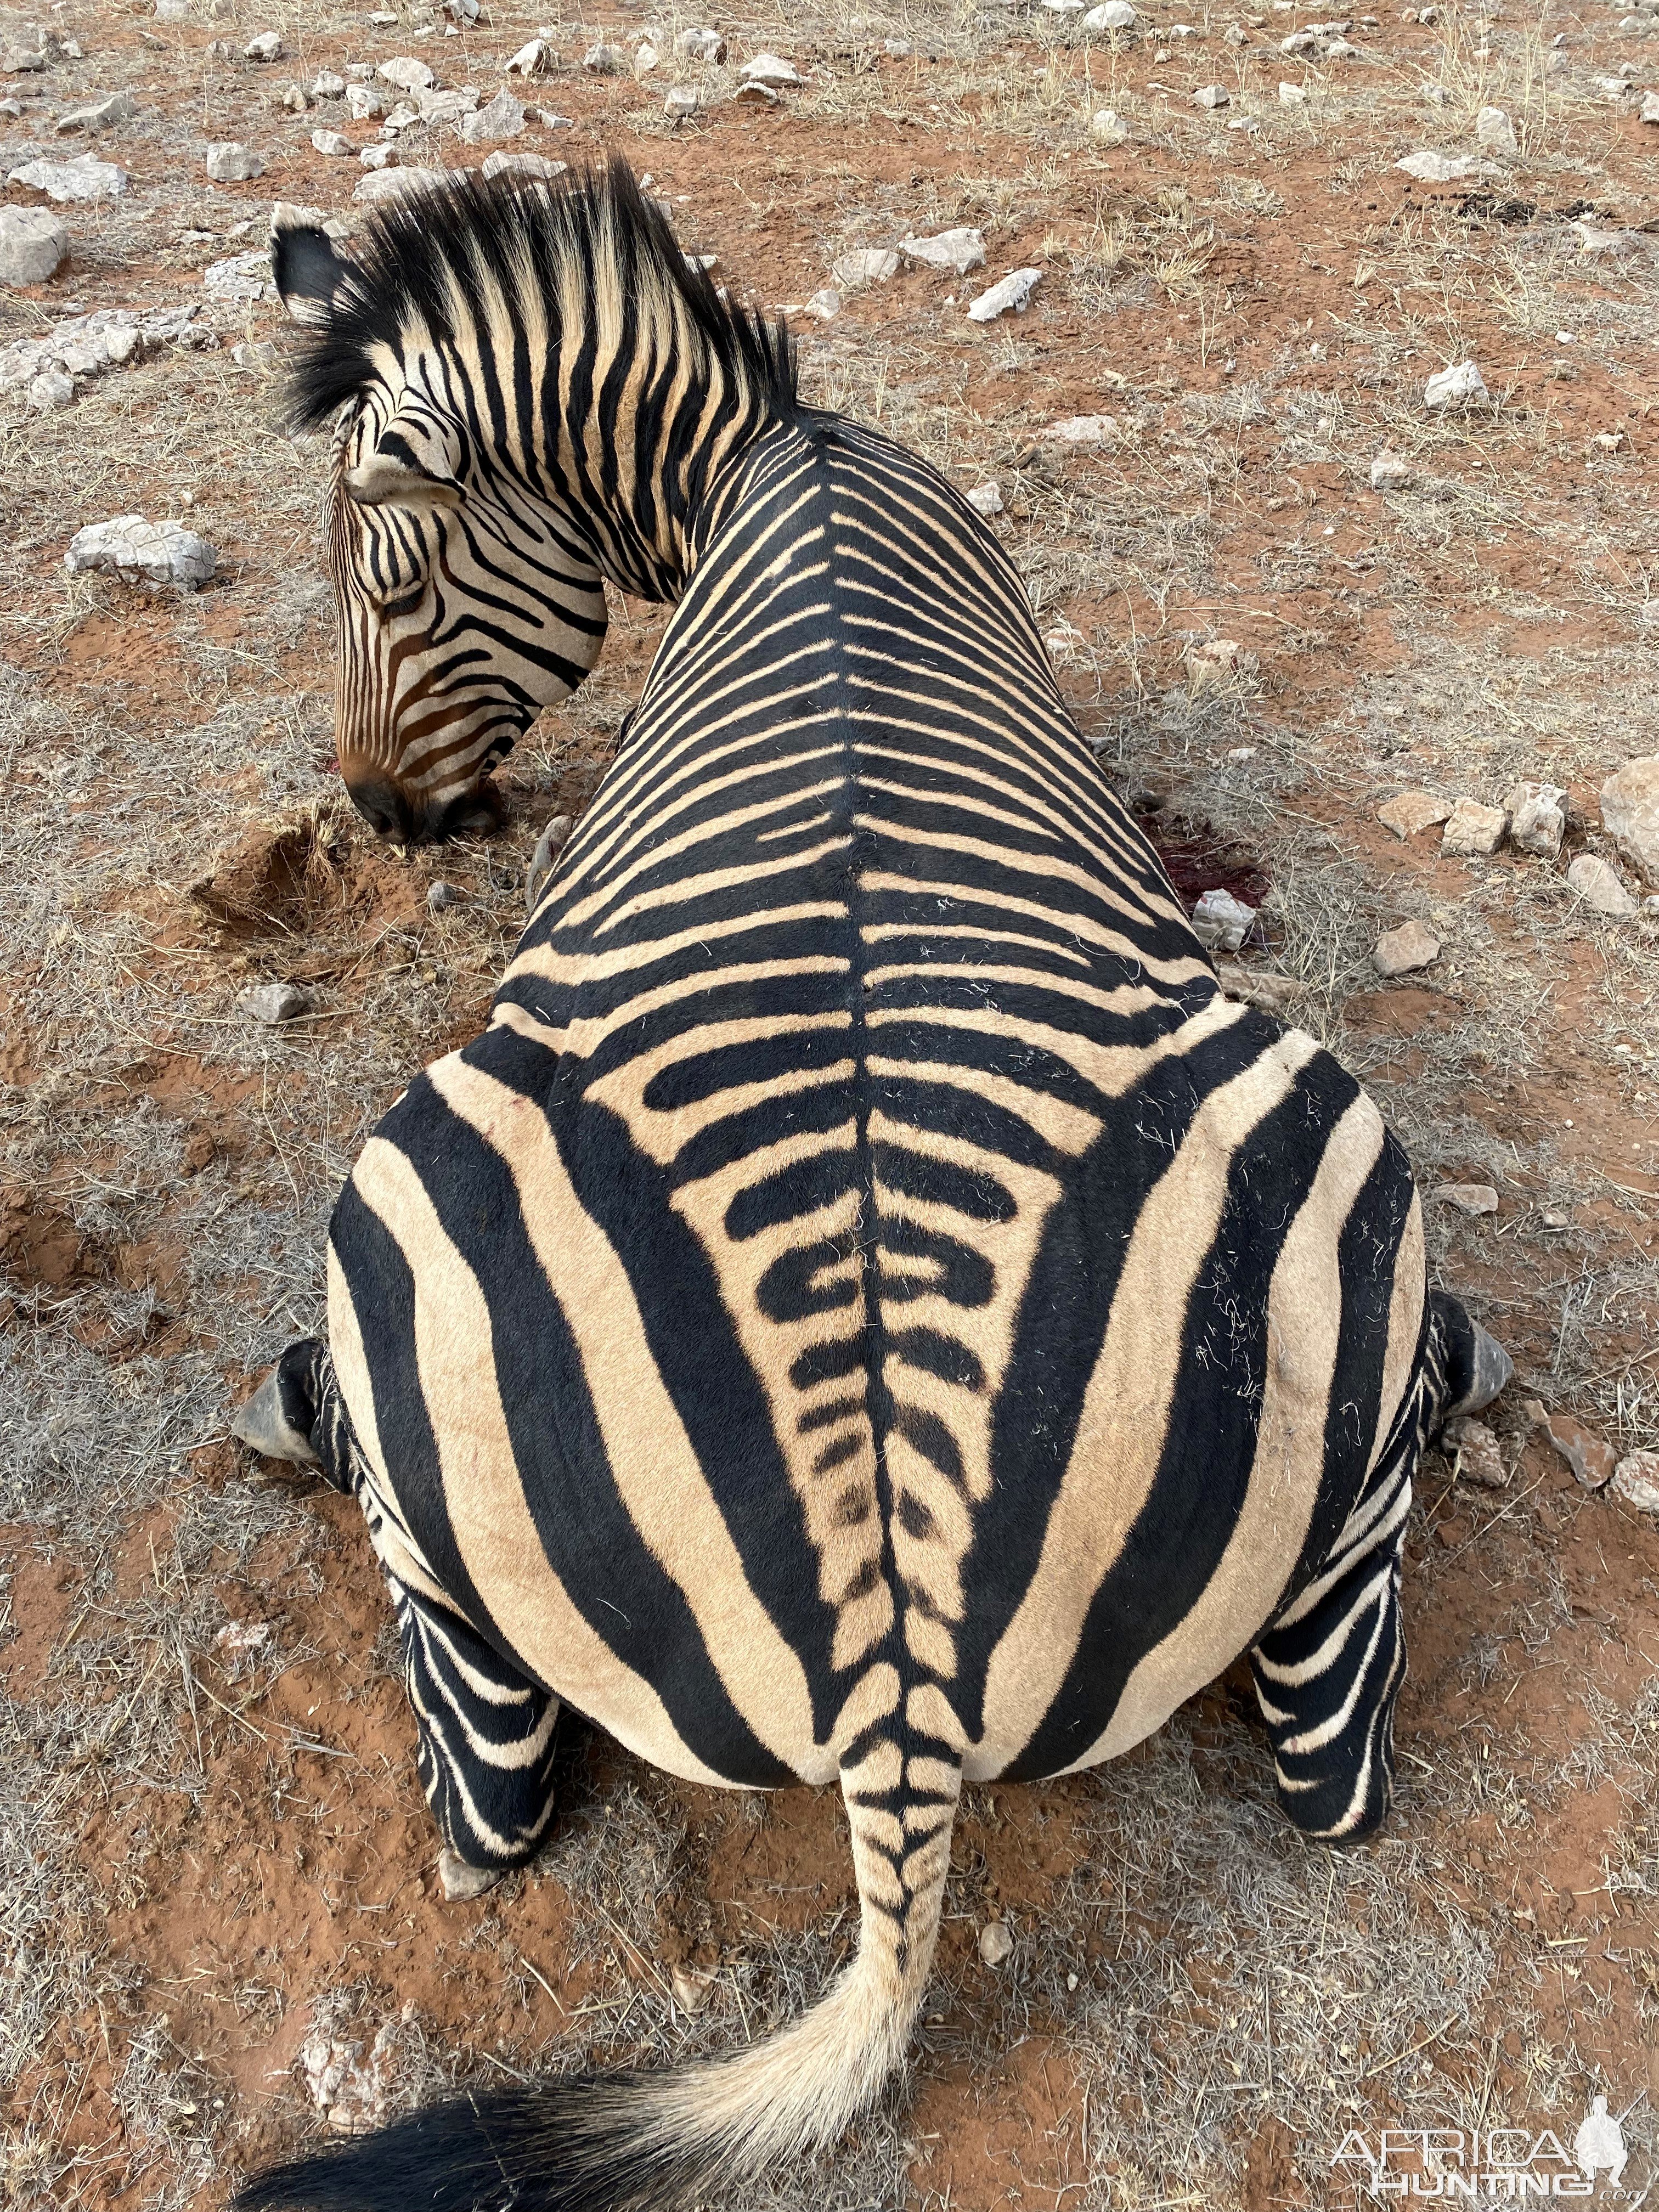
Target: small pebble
[(996, 1943), (442, 893), (1475, 1454), (1469, 1197), (272, 1003), (267, 47), (1636, 1479), (230, 162), (1460, 385)]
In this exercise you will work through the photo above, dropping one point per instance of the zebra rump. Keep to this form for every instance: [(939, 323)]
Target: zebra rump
[(868, 1308)]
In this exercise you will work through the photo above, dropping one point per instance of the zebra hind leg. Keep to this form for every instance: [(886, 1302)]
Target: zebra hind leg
[(297, 1414), (485, 1754), (1328, 1669), (1470, 1367)]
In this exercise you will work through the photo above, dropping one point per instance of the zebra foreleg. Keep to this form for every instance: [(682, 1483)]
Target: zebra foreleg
[(486, 1744), (1328, 1669)]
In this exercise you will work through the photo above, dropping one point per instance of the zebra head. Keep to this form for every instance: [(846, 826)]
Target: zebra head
[(467, 598)]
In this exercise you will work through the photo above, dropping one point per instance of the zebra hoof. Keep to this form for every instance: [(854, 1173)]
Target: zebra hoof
[(263, 1425), (460, 1882), (1492, 1369), (542, 860)]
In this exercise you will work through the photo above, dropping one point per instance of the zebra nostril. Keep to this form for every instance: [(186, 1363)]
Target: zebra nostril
[(382, 805)]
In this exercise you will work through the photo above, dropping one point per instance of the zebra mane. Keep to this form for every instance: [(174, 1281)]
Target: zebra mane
[(470, 236)]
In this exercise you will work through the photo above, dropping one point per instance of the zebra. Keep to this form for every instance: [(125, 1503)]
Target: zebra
[(867, 1308)]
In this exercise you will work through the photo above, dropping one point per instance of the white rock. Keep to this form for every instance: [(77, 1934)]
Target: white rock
[(1391, 471), (333, 142), (604, 60), (1088, 431), (1213, 96), (1475, 1454), (1014, 291), (1236, 35), (380, 156), (1471, 1198), (1412, 811), (996, 1944), (1649, 114), (1473, 831), (404, 117), (1599, 887), (680, 101), (266, 47), (1114, 15), (534, 58), (82, 178), (1460, 385), (33, 243), (826, 303), (770, 69), (1338, 49), (1291, 96), (986, 499), (230, 162), (257, 355), (1221, 921), (1538, 818), (241, 276), (391, 183), (1107, 128), (407, 72), (272, 1003), (1300, 42), (503, 117), (645, 59), (1636, 1479), (759, 95), (326, 85), (363, 102), (958, 251), (1063, 7), (296, 99), (864, 264), (118, 108), (1438, 168), (1595, 238), (1402, 951), (550, 121), (1629, 814), (524, 165), (152, 552), (700, 45), (50, 391), (446, 106), (1496, 132)]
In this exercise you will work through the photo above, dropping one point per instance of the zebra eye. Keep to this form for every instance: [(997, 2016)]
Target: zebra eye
[(402, 603)]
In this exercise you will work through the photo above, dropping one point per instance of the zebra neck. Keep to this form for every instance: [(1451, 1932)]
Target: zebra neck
[(651, 433)]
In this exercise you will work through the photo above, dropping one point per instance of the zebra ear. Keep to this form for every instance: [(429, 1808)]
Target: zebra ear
[(412, 464), (307, 270), (384, 480)]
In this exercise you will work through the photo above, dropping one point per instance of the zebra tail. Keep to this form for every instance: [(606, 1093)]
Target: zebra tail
[(666, 2142)]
